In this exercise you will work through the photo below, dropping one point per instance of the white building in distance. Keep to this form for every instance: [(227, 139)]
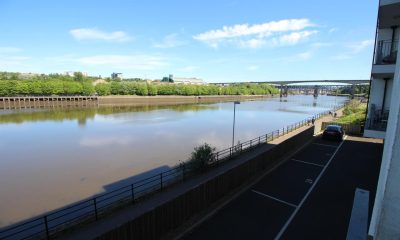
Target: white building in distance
[(186, 80)]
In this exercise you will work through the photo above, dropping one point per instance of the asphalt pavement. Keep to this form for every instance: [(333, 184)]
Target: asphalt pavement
[(310, 196)]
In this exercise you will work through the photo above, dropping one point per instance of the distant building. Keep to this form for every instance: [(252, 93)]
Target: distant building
[(184, 80), (71, 73), (116, 75)]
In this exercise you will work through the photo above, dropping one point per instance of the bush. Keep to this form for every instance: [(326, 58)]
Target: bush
[(87, 89), (152, 89), (353, 113), (201, 157), (142, 89), (103, 89)]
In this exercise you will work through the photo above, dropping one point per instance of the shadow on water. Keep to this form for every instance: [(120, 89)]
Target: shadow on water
[(115, 194), (134, 179)]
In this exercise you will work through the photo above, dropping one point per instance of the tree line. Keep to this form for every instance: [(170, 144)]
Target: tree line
[(152, 89), (14, 84)]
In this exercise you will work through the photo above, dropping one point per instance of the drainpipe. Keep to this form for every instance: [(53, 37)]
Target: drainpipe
[(384, 96), (393, 35)]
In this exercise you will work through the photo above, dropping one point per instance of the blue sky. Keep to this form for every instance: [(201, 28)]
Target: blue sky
[(218, 41)]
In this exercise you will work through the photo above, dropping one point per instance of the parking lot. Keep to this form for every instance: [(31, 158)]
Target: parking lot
[(309, 196)]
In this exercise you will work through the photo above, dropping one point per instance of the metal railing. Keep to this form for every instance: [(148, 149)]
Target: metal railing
[(377, 120), (53, 223), (386, 52)]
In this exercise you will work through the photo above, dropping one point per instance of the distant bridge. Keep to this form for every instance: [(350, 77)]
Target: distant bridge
[(307, 85), (356, 82)]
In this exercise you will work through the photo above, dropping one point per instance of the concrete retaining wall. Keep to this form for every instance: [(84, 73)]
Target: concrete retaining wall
[(159, 221)]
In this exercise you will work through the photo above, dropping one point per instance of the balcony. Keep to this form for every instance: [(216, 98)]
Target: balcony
[(386, 52), (377, 120)]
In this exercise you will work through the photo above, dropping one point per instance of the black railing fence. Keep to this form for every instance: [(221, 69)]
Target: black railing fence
[(386, 52), (51, 224)]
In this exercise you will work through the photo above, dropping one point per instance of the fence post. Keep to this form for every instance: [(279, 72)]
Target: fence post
[(266, 138), (46, 225), (241, 145), (161, 182), (250, 143), (259, 140), (230, 152), (217, 156), (132, 194), (95, 208)]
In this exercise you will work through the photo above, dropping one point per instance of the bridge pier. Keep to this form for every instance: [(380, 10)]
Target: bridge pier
[(352, 90), (283, 91), (316, 91)]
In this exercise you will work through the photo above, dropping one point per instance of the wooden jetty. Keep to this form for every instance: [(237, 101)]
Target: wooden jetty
[(46, 101)]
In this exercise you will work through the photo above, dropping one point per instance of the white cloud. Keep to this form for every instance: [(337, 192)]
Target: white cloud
[(332, 30), (259, 35), (342, 56), (252, 68), (170, 41), (95, 34), (360, 46), (10, 50), (133, 62), (321, 44), (252, 43), (353, 49), (295, 37), (305, 55), (263, 30), (13, 62)]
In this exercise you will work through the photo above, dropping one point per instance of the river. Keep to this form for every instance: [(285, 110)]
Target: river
[(53, 157)]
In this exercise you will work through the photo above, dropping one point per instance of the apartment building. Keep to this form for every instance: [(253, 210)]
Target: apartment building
[(384, 121)]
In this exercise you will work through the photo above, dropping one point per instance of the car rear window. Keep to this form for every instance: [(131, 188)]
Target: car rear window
[(333, 129)]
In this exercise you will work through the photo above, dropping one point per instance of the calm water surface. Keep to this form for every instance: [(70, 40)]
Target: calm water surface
[(50, 158)]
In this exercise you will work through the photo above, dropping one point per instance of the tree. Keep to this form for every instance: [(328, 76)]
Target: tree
[(103, 89), (201, 157), (87, 88), (78, 76)]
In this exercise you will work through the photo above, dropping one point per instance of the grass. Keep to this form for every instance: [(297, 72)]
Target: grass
[(353, 113)]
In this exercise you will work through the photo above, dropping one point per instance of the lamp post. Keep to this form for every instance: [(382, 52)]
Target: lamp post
[(234, 113)]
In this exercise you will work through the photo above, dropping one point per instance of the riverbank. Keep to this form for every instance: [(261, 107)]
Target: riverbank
[(174, 99), (118, 100)]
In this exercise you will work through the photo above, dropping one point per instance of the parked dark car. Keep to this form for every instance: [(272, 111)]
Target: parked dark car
[(334, 132)]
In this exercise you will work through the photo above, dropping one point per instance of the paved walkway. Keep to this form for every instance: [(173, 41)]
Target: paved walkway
[(308, 197), (328, 118)]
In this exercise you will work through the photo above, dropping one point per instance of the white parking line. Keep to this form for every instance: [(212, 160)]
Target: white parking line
[(319, 165), (325, 145), (276, 199), (279, 235)]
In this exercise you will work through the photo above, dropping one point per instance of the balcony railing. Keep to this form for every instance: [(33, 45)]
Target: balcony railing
[(378, 120), (386, 52)]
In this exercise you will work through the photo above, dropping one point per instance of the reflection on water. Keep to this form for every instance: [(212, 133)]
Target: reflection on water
[(50, 158), (83, 114)]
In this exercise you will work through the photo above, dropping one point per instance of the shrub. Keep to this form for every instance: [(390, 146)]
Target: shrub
[(201, 157), (103, 89), (152, 89)]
